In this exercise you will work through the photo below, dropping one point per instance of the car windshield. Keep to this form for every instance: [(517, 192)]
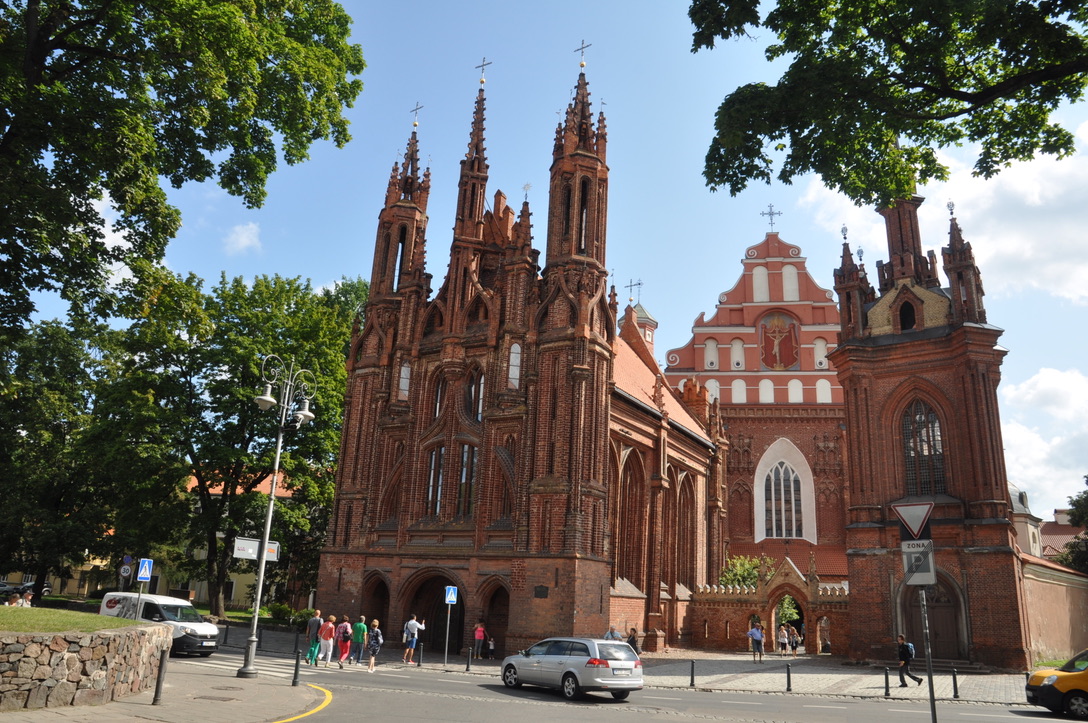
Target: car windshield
[(182, 613), (616, 651), (1077, 664)]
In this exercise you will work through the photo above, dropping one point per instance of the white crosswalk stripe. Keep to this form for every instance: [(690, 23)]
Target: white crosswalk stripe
[(270, 667)]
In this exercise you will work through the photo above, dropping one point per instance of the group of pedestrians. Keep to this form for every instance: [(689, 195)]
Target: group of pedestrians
[(789, 640), (20, 602), (342, 642)]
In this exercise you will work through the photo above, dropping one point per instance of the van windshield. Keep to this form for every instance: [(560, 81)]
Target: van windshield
[(182, 613)]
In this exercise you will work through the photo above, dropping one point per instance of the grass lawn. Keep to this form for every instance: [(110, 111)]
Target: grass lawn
[(48, 620)]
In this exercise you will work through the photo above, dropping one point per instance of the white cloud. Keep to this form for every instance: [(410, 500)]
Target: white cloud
[(242, 239), (1044, 441)]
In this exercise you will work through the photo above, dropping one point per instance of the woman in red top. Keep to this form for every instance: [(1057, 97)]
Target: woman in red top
[(343, 639), (481, 636), (325, 634)]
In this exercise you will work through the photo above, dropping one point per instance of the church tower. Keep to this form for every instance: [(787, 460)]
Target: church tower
[(919, 367)]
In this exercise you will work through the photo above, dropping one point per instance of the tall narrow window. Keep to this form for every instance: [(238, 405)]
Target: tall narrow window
[(466, 484), (923, 450), (583, 216), (474, 396), (434, 482), (398, 265), (513, 374), (782, 502), (405, 381), (439, 396)]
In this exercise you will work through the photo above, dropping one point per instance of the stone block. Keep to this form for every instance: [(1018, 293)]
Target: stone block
[(61, 695), (38, 697), (13, 700), (89, 696)]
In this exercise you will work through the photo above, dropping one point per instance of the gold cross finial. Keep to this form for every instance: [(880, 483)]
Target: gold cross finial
[(582, 49), (416, 110), (483, 64)]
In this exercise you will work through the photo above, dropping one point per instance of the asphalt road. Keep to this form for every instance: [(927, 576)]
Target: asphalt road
[(395, 694)]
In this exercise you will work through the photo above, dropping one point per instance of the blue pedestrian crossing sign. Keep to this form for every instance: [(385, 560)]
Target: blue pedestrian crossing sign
[(143, 573), (451, 594)]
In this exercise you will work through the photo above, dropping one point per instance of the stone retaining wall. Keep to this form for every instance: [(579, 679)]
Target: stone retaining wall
[(39, 670)]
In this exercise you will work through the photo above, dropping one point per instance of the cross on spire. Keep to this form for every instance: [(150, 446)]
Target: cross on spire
[(582, 49), (771, 213), (416, 110), (630, 290), (527, 187), (483, 64)]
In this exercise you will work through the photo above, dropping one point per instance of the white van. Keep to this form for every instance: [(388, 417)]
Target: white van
[(191, 633)]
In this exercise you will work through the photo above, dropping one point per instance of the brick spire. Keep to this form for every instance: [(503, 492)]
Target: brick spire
[(473, 182)]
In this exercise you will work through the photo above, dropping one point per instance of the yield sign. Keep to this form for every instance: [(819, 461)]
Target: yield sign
[(913, 515)]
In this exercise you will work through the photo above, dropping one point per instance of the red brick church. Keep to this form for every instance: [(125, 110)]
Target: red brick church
[(511, 436)]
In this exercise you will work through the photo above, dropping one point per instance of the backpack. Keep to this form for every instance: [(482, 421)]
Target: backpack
[(910, 649), (345, 635)]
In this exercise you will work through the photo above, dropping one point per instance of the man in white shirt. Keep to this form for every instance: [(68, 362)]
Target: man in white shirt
[(411, 635)]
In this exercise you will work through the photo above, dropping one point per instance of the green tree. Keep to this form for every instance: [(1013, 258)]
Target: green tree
[(874, 88), (786, 612), (191, 367), (100, 99), (744, 571), (1075, 554)]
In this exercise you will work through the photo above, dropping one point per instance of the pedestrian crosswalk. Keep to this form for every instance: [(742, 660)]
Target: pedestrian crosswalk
[(266, 666)]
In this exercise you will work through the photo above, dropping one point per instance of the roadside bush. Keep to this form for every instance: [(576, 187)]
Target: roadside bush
[(280, 613)]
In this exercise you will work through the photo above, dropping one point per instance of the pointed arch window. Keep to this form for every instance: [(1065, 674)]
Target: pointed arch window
[(404, 381), (923, 450), (782, 502), (434, 481), (513, 373), (474, 396), (439, 396), (583, 215), (466, 484)]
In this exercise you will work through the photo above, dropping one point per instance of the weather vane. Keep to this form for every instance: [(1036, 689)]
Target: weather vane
[(771, 213), (630, 290)]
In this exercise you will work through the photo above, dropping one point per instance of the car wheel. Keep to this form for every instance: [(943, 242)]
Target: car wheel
[(571, 689), (510, 677), (1076, 705), (621, 694)]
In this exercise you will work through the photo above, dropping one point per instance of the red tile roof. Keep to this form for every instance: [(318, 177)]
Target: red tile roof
[(637, 380), (1054, 535)]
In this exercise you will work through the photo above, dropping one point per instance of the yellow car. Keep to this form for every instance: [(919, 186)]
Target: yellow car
[(1064, 690)]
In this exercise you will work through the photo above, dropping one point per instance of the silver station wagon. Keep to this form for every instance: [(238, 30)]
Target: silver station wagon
[(576, 665)]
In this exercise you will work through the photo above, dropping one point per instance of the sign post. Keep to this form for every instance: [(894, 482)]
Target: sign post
[(919, 569), (451, 600)]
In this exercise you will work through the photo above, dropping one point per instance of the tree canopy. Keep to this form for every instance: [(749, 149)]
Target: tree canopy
[(100, 99), (1075, 554), (873, 89)]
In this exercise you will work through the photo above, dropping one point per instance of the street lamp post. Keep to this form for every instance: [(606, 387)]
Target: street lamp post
[(297, 388)]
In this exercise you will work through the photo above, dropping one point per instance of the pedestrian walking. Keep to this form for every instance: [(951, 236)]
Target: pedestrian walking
[(411, 635), (906, 654), (374, 643), (783, 639), (325, 635), (795, 640), (612, 634), (312, 626), (756, 635), (491, 648), (632, 640), (343, 640), (358, 641)]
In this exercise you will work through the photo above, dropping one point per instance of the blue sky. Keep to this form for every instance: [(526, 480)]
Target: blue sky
[(665, 227)]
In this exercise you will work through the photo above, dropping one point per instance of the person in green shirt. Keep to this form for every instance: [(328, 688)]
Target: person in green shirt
[(358, 641)]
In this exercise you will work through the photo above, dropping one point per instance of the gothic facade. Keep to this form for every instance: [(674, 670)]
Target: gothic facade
[(513, 454)]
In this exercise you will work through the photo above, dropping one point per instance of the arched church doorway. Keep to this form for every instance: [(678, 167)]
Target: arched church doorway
[(788, 612), (496, 609), (375, 603), (943, 606), (428, 602)]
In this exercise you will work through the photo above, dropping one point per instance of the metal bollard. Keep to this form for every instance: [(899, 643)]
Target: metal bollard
[(260, 637), (955, 685), (226, 634), (887, 686), (419, 657), (692, 683), (298, 664), (468, 665), (789, 679), (295, 646), (163, 657)]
